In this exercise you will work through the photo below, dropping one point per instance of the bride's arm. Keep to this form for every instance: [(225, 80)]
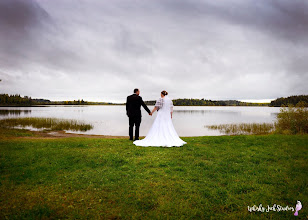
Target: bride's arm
[(171, 108), (154, 109), (158, 105)]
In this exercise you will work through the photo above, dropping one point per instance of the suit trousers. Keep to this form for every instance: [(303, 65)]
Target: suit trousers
[(134, 121)]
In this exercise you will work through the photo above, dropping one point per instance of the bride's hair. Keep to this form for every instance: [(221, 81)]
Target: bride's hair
[(164, 93)]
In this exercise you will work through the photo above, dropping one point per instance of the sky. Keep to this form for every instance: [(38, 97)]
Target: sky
[(100, 50)]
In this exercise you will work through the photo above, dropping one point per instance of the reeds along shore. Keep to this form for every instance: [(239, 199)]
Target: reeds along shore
[(46, 123), (290, 120), (244, 128)]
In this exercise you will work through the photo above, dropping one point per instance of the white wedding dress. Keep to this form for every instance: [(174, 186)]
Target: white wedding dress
[(162, 132)]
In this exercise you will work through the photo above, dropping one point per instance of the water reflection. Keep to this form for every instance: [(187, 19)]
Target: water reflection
[(14, 112), (274, 114), (202, 112)]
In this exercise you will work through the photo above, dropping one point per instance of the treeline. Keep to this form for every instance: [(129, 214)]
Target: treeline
[(80, 102), (291, 100), (17, 100), (204, 102), (6, 100), (75, 102)]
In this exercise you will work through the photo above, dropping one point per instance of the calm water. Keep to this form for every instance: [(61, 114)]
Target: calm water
[(112, 120)]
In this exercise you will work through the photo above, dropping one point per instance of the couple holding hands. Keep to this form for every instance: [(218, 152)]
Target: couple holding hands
[(162, 132)]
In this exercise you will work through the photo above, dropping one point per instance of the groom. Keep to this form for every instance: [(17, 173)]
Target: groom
[(133, 111)]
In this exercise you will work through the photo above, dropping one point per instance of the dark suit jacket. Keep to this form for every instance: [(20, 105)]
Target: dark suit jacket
[(133, 105)]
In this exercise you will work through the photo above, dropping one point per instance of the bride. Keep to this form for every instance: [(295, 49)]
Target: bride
[(162, 132)]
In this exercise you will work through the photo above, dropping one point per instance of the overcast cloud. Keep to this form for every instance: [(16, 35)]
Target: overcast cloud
[(100, 50)]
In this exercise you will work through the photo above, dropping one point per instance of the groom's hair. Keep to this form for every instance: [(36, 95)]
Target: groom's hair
[(136, 90)]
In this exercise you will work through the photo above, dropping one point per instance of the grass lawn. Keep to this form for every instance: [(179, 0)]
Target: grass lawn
[(210, 177)]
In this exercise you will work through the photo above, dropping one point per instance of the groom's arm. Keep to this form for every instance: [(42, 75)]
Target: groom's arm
[(145, 106), (127, 106)]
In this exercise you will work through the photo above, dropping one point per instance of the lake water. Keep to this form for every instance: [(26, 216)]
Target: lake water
[(112, 120)]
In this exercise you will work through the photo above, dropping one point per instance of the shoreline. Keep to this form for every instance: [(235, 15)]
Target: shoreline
[(63, 134)]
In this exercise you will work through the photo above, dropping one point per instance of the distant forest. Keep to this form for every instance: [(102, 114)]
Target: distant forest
[(17, 100), (204, 102), (293, 100)]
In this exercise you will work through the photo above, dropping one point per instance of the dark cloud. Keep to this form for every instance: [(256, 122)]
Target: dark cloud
[(18, 22), (284, 19), (98, 50), (18, 15)]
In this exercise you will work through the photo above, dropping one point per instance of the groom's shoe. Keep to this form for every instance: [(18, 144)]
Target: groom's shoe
[(136, 139)]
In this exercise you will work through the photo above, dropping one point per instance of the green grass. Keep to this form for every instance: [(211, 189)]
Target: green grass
[(244, 128), (46, 123), (209, 178)]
